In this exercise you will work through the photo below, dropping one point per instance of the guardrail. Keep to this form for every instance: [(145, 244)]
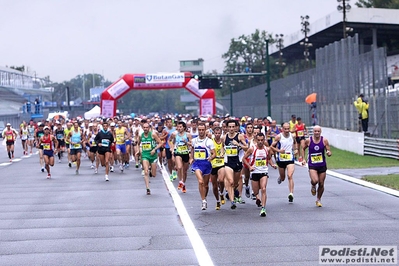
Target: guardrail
[(381, 147)]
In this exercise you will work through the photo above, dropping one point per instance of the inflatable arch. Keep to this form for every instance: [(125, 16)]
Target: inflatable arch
[(158, 81)]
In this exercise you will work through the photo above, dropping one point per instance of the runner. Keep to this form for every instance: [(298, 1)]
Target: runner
[(149, 143), (48, 141), (93, 148), (76, 139), (10, 135), (249, 136), (300, 132), (317, 161), (162, 134), (179, 146), (103, 139), (23, 134), (67, 130), (284, 144), (171, 165), (257, 158), (217, 173), (233, 144), (121, 136), (59, 134), (31, 135), (202, 153), (38, 135)]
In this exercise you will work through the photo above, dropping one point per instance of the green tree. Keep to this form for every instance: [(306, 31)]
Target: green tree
[(247, 54), (391, 4)]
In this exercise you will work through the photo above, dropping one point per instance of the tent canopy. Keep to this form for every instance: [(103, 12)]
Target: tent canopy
[(93, 113)]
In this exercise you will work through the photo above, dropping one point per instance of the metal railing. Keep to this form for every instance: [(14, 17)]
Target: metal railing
[(387, 148)]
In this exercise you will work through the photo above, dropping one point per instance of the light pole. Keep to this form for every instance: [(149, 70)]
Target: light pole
[(306, 44), (280, 46), (344, 7), (268, 89), (231, 98)]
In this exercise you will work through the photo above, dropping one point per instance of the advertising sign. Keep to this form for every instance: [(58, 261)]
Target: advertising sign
[(107, 108), (118, 88), (164, 78)]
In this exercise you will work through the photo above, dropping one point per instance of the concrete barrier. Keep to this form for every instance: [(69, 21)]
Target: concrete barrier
[(345, 140)]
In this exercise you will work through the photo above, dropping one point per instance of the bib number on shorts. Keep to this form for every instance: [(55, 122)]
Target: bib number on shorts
[(200, 154), (260, 161), (285, 157), (182, 148), (231, 150), (105, 142), (316, 158), (146, 146)]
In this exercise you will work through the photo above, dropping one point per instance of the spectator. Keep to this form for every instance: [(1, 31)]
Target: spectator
[(28, 107), (37, 106), (362, 107)]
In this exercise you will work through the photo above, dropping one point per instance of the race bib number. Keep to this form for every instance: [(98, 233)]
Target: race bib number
[(260, 161), (60, 136), (231, 150), (300, 134), (218, 162), (105, 142), (182, 148), (77, 146), (46, 146), (146, 146), (200, 154), (93, 144), (316, 158), (285, 157), (9, 137)]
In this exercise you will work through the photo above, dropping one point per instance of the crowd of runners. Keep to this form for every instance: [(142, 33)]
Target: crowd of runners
[(233, 154)]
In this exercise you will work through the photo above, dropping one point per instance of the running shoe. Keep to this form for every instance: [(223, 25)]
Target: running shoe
[(204, 205), (142, 172), (253, 196), (263, 212), (148, 191), (59, 161), (96, 170), (91, 166), (42, 170), (222, 200), (77, 172), (258, 203), (121, 168), (233, 205), (111, 169), (180, 186), (137, 165), (171, 178), (217, 206), (69, 164), (106, 178), (184, 189), (279, 180), (313, 190), (318, 203), (290, 197), (174, 174), (48, 176), (247, 192), (239, 200)]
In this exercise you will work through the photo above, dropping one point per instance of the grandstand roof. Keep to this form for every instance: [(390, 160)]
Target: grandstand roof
[(330, 29)]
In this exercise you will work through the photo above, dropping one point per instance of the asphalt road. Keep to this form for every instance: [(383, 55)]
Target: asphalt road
[(83, 220)]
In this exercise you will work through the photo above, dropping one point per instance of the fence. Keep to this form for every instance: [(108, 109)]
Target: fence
[(381, 147), (343, 71)]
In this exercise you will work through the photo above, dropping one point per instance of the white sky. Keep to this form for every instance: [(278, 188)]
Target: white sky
[(65, 38)]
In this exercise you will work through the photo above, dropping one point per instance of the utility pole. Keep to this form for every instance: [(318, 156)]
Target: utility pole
[(268, 89)]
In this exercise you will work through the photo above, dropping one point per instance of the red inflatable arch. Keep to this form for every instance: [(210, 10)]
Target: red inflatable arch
[(158, 81)]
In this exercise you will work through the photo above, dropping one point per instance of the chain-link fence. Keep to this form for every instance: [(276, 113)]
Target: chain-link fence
[(343, 70)]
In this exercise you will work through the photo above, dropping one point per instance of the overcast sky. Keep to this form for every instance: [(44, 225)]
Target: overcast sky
[(64, 38)]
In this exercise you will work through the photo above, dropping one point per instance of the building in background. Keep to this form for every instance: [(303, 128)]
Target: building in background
[(196, 67)]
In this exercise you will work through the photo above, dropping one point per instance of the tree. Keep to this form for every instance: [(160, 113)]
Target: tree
[(247, 54), (391, 4)]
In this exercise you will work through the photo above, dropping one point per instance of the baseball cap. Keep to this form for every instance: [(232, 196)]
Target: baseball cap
[(8, 124), (160, 124), (46, 127), (112, 124), (269, 119), (40, 124), (90, 124)]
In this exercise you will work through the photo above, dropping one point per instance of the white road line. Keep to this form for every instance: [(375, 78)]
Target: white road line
[(4, 164), (360, 182), (198, 245)]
